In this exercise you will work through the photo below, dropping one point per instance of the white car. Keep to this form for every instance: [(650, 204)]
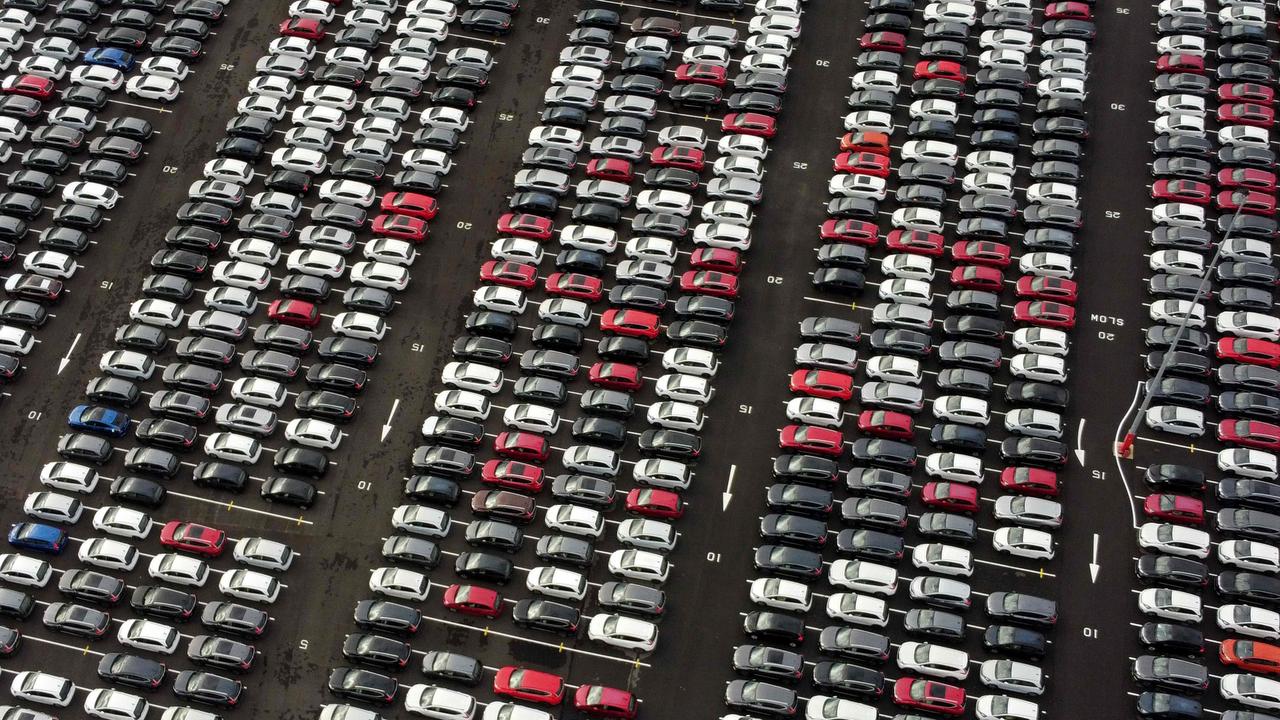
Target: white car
[(1024, 542), (69, 476), (473, 376), (108, 553), (149, 635), (917, 218), (931, 151), (930, 659), (907, 265), (1176, 419), (952, 466), (1003, 707), (623, 632), (863, 576), (154, 311), (1248, 324), (1012, 676), (1062, 88), (647, 534), (1053, 193), (380, 275), (399, 583), (92, 194), (1250, 690), (1029, 510), (236, 273), (318, 263), (686, 388), (815, 411), (263, 392), (249, 585), (178, 569), (463, 403), (42, 688), (1249, 620), (956, 12), (313, 433), (1048, 341), (1039, 367), (828, 707), (1243, 14), (233, 447), (1169, 604), (421, 520), (992, 183), (1177, 262), (574, 520), (1247, 462), (164, 66), (556, 582), (693, 361), (439, 703), (1250, 555), (990, 161), (961, 409), (101, 77), (676, 416), (1034, 422), (122, 522), (359, 325), (781, 594), (529, 418), (895, 368), (1174, 539), (109, 704), (875, 80), (24, 570), (50, 263), (858, 609), (153, 87), (639, 565), (943, 559), (1178, 215), (1047, 264), (53, 507), (263, 553)]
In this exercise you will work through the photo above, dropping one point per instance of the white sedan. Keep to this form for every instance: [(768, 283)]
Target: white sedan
[(98, 76), (935, 660), (1169, 604), (122, 521), (152, 87), (380, 275), (1024, 542), (1174, 540), (91, 193), (623, 632), (50, 263), (167, 67), (178, 569)]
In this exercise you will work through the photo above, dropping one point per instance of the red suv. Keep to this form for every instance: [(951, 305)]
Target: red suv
[(512, 475), (521, 446), (411, 204), (529, 685), (193, 538), (299, 313), (605, 702), (630, 322), (473, 600)]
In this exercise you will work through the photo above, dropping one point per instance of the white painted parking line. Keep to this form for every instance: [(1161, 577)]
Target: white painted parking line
[(486, 631), (231, 505)]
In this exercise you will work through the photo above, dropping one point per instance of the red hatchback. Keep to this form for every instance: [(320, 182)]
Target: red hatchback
[(1068, 10), (1045, 314), (412, 204), (630, 322), (858, 232), (710, 258), (1251, 178), (40, 88), (811, 439), (749, 124), (822, 383), (1250, 433), (299, 313), (1180, 63), (681, 157), (1248, 350), (303, 28), (402, 227), (1190, 191), (521, 446), (512, 475), (928, 695), (605, 702), (525, 225), (575, 285), (702, 73), (473, 600), (886, 424), (1046, 288), (1246, 92), (883, 40), (862, 163), (981, 252), (1174, 508), (610, 169), (193, 538), (920, 242), (652, 502), (940, 70), (710, 282), (1246, 114), (529, 685), (1250, 201), (866, 141), (1250, 655), (1030, 481), (615, 376), (509, 273), (978, 277), (956, 497)]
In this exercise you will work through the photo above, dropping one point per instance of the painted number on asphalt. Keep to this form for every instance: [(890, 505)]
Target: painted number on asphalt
[(106, 284), (744, 409), (304, 644), (506, 117), (1113, 214), (543, 21), (774, 279), (822, 63), (227, 67), (800, 166), (713, 557), (1117, 106), (363, 484), (463, 225), (417, 347), (34, 415), (1091, 633), (169, 169), (1122, 11)]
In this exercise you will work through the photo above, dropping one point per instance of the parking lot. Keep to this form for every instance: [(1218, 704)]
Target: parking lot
[(340, 537)]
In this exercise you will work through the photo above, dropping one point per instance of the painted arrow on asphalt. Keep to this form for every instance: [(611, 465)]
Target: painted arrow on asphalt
[(1080, 441), (386, 427), (1094, 567), (727, 495), (66, 359)]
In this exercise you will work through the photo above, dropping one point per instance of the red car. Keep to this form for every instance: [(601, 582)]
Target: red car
[(883, 40), (950, 496), (40, 88), (652, 502), (710, 282), (978, 277), (525, 225), (1253, 201), (1248, 350), (610, 169), (1068, 10), (686, 158), (1045, 314), (575, 285), (473, 600), (412, 204), (1250, 655), (1250, 433), (858, 232), (521, 446), (299, 313), (887, 424), (510, 273), (1246, 92), (303, 28), (928, 695), (811, 439), (403, 227), (1180, 63), (749, 124), (615, 376), (1246, 114), (702, 73), (630, 322), (1190, 191), (529, 685), (920, 242), (981, 252), (822, 383), (1030, 481), (1046, 288), (1251, 178), (711, 258), (1174, 508), (862, 163), (939, 69), (512, 475), (866, 141), (193, 538), (605, 702)]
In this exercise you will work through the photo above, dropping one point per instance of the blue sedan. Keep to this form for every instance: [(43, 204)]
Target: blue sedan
[(111, 57), (36, 536), (100, 420)]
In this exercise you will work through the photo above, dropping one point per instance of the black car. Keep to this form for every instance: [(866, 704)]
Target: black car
[(633, 598), (1249, 404), (221, 475), (386, 616), (788, 561), (878, 481), (495, 534), (1171, 673), (798, 498), (546, 615), (1168, 706), (934, 624), (584, 489), (871, 545), (794, 530), (1038, 394), (91, 586), (1034, 451), (1171, 570), (879, 452), (376, 650), (1165, 637), (219, 652), (955, 436), (81, 446), (76, 620), (848, 679), (134, 490), (1248, 587), (413, 550), (234, 618), (162, 602), (288, 490), (179, 404), (772, 626), (805, 468), (441, 665), (1012, 640), (767, 663), (207, 688), (483, 566), (874, 512), (486, 21), (1022, 608), (131, 670)]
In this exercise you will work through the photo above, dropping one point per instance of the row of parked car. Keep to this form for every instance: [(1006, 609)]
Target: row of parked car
[(880, 481), (1195, 259)]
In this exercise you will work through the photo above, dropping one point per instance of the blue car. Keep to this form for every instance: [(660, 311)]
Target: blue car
[(100, 420), (111, 57), (36, 536)]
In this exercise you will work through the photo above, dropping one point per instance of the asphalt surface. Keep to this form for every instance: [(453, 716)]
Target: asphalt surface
[(339, 538)]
